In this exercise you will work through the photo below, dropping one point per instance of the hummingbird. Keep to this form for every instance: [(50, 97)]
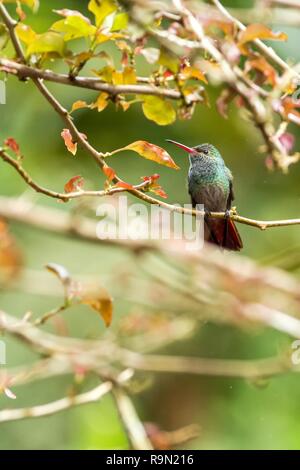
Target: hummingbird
[(210, 183)]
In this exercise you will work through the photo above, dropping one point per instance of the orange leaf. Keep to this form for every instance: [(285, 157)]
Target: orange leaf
[(74, 184), (192, 72), (98, 299), (12, 145), (67, 137), (265, 68), (79, 105), (152, 152), (259, 31), (109, 172)]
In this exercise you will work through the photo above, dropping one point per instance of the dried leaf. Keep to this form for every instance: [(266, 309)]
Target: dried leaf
[(67, 137), (61, 272), (79, 105), (98, 299), (259, 31), (10, 255), (109, 172), (261, 64), (193, 72), (74, 184), (152, 152)]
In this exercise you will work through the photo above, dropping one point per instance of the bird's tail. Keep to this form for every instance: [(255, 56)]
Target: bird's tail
[(223, 232)]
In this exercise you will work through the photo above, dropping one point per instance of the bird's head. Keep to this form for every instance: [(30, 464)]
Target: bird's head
[(199, 151)]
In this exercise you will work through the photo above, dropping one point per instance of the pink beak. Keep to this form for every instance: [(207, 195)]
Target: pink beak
[(183, 147)]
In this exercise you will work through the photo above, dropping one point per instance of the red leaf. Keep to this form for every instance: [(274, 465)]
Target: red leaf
[(74, 184), (123, 184), (12, 145), (68, 140), (109, 172)]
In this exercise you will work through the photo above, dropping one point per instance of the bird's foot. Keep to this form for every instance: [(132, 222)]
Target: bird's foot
[(207, 214), (227, 214)]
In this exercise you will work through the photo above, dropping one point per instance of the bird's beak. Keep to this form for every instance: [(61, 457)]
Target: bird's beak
[(183, 147)]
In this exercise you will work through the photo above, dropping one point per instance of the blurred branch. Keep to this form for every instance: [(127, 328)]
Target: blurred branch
[(133, 426), (254, 104), (266, 50), (245, 369), (51, 408)]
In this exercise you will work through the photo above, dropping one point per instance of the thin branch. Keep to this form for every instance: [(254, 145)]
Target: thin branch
[(25, 71), (62, 196), (51, 408), (132, 424)]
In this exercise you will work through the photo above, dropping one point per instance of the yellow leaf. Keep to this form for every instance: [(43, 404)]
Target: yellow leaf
[(101, 102), (120, 22), (105, 73), (117, 78), (152, 152), (25, 33), (129, 76), (33, 4), (158, 110), (74, 27), (101, 9), (79, 105), (47, 42), (192, 72)]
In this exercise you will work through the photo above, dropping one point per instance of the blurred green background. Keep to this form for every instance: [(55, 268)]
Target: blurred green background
[(232, 413)]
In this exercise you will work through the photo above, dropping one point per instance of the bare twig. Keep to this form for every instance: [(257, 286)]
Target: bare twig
[(51, 408), (132, 424)]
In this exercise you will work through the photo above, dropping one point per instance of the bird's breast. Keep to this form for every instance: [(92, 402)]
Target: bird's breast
[(208, 185)]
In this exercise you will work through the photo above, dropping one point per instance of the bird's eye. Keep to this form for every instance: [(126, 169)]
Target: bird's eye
[(205, 151)]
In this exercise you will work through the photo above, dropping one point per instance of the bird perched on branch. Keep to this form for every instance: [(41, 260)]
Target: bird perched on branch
[(210, 184)]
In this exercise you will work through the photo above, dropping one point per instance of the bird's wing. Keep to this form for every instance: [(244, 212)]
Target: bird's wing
[(231, 192)]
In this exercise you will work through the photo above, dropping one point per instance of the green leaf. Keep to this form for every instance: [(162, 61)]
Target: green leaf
[(158, 110), (101, 9), (47, 42)]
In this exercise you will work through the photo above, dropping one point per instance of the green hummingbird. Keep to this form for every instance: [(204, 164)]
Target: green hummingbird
[(210, 183)]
